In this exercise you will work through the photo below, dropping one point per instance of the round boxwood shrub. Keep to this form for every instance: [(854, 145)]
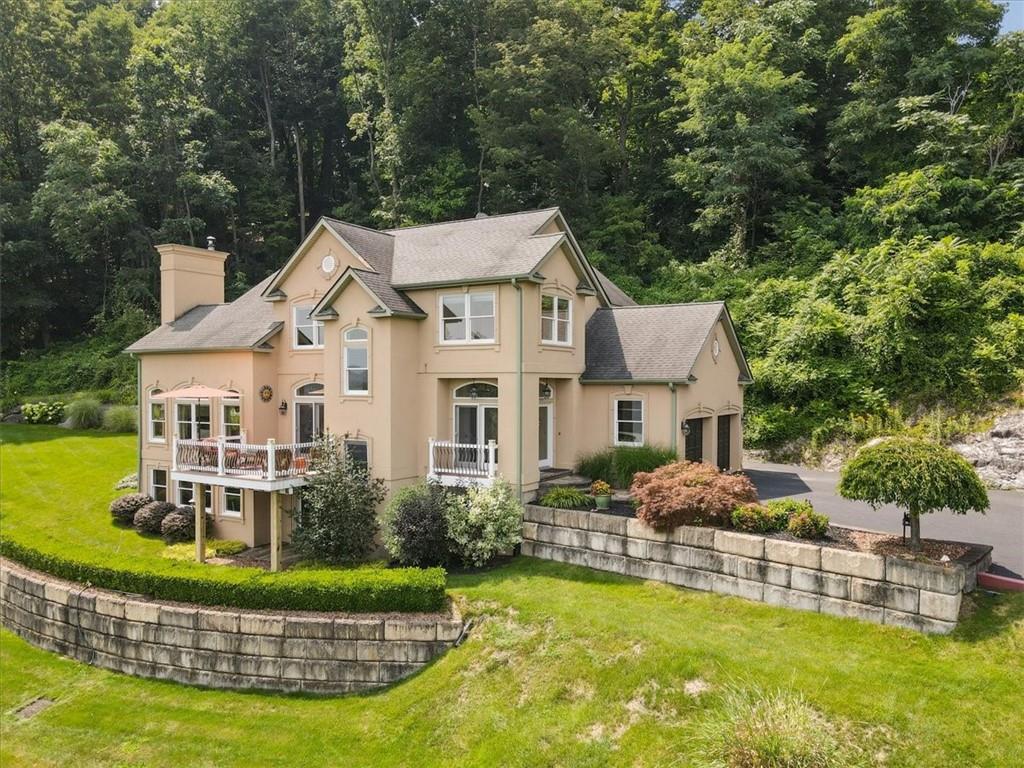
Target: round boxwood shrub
[(85, 413), (808, 524), (123, 508), (120, 418), (757, 518), (415, 526), (151, 517), (179, 525)]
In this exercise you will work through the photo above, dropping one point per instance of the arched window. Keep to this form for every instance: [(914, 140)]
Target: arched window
[(157, 418), (477, 390), (309, 412), (356, 362)]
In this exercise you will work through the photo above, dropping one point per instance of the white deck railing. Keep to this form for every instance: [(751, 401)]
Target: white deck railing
[(225, 456), (449, 461)]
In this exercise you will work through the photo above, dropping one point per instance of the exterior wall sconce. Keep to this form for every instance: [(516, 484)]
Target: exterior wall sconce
[(283, 407), (686, 429)]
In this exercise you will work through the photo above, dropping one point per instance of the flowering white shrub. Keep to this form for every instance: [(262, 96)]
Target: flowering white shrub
[(484, 522)]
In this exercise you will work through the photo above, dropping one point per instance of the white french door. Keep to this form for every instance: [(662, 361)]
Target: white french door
[(546, 435), (474, 425)]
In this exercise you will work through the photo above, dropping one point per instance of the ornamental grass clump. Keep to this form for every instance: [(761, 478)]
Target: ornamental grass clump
[(85, 413), (566, 498), (123, 508), (120, 418), (150, 518), (689, 493)]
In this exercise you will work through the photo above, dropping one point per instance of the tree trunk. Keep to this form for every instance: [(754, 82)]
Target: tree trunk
[(265, 83), (302, 193), (915, 532)]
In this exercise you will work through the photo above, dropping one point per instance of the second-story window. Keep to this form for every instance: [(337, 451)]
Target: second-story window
[(231, 418), (555, 319), (193, 420), (357, 361), (467, 318), (157, 419), (309, 333)]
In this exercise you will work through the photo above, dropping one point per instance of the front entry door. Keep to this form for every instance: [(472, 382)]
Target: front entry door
[(695, 440), (475, 425), (724, 442), (546, 435)]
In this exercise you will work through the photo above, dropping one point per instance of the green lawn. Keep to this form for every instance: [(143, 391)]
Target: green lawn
[(564, 667)]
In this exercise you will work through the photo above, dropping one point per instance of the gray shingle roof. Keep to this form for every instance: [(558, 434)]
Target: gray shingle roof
[(245, 323), (657, 342), (471, 249), (393, 300), (617, 296), (377, 248)]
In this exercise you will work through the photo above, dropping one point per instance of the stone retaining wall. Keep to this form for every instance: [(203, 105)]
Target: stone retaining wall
[(885, 590), (220, 648)]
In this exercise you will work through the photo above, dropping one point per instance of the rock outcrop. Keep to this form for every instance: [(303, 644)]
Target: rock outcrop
[(998, 454)]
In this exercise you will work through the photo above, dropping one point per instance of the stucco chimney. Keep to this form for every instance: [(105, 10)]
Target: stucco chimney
[(189, 277)]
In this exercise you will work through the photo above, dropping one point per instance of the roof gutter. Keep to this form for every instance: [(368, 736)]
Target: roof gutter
[(142, 423), (675, 415)]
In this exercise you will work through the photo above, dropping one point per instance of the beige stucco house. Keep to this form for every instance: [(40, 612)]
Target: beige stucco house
[(460, 351)]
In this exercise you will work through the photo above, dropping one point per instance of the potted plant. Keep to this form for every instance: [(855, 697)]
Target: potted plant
[(602, 493)]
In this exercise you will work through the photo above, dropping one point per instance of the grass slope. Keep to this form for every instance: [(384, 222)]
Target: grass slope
[(565, 667)]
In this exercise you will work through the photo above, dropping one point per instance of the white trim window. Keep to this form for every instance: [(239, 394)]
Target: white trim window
[(358, 451), (158, 484), (157, 418), (629, 421), (356, 361), (467, 318), (309, 412), (309, 333), (231, 418), (231, 503), (555, 319), (186, 492), (193, 419)]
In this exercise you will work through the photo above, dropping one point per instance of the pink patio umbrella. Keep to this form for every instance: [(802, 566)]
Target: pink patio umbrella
[(194, 391)]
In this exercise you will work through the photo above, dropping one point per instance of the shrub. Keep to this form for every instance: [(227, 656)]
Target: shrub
[(688, 493), (914, 474), (566, 498), (43, 413), (337, 520), (123, 508), (415, 526), (225, 547), (120, 418), (757, 518), (789, 507), (484, 522), (808, 524), (618, 465), (150, 517), (85, 413), (777, 730), (361, 590), (179, 525)]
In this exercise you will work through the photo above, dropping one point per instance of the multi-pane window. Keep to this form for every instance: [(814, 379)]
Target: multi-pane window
[(157, 419), (467, 317), (309, 333), (193, 420), (357, 361), (358, 451), (232, 506), (186, 492), (309, 412), (555, 319), (158, 484), (231, 418), (629, 422)]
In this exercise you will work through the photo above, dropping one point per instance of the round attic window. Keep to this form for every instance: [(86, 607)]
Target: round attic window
[(328, 264)]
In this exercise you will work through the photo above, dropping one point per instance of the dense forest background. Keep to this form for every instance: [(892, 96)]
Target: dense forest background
[(847, 174)]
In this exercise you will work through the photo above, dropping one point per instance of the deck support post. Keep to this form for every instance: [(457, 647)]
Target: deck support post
[(275, 532), (199, 504)]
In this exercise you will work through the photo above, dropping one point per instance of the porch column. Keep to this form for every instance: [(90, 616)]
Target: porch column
[(199, 504), (275, 532)]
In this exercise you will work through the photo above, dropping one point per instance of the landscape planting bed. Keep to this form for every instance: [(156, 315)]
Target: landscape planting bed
[(884, 589)]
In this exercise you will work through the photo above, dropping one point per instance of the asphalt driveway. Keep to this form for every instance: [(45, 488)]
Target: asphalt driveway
[(1002, 526)]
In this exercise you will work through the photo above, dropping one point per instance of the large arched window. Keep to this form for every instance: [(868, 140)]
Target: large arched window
[(309, 412), (356, 362)]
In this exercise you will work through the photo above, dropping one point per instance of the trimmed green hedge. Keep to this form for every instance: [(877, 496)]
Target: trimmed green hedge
[(360, 590)]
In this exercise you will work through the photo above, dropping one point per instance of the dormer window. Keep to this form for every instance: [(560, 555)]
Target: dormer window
[(309, 333), (467, 318)]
